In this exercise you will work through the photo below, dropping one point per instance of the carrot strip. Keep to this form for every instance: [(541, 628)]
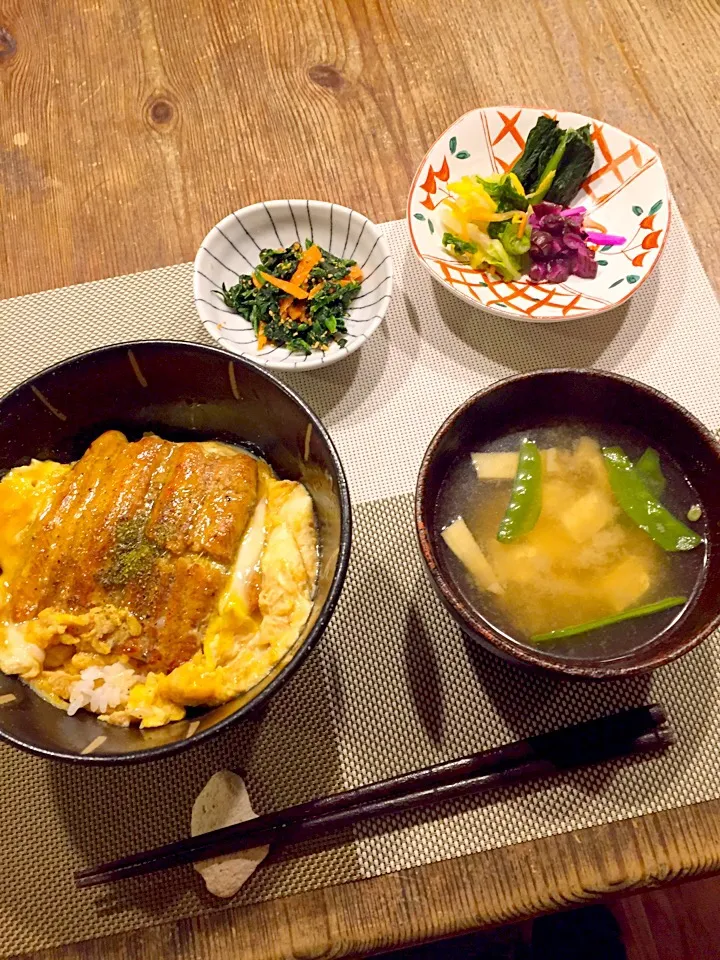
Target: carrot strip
[(256, 283), (285, 305), (310, 258), (296, 311), (262, 339), (285, 286), (355, 274), (316, 289)]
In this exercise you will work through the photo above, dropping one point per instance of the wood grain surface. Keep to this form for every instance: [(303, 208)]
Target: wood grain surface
[(129, 127)]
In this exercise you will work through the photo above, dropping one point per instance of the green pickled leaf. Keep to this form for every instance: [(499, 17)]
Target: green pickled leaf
[(512, 243), (539, 147), (461, 248), (574, 164)]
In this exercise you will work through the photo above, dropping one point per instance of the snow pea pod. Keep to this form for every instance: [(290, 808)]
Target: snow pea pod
[(523, 509), (645, 611), (648, 466), (642, 507)]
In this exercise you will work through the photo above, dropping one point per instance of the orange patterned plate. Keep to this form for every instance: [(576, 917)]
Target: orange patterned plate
[(626, 193)]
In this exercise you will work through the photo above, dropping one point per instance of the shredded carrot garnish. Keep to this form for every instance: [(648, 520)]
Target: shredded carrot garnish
[(296, 311), (262, 339), (316, 289), (256, 283), (310, 258), (354, 275), (285, 304), (285, 286)]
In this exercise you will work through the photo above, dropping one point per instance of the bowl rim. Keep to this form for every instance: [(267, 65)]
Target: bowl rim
[(338, 580), (496, 311), (527, 655), (313, 362)]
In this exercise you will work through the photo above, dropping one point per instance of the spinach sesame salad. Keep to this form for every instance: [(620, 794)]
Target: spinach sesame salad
[(296, 298)]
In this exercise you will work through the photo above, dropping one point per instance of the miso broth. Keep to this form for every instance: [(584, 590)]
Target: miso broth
[(584, 559)]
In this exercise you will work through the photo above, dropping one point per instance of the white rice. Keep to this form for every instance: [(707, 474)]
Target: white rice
[(102, 689)]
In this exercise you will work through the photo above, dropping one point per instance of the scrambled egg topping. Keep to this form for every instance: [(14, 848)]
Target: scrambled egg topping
[(259, 616)]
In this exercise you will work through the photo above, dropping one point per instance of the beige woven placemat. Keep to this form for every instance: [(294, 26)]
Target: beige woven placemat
[(393, 685)]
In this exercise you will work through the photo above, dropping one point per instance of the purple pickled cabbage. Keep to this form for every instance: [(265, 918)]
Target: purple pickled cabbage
[(544, 247), (541, 244), (538, 272), (584, 266), (573, 241), (559, 245), (554, 224), (558, 271), (544, 208)]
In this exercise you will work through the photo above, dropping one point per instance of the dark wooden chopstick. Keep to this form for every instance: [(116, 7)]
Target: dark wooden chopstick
[(631, 732)]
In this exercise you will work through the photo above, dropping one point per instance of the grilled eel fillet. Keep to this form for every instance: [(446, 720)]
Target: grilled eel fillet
[(151, 527)]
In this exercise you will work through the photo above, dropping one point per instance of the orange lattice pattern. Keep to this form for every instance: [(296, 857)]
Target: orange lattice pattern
[(523, 296)]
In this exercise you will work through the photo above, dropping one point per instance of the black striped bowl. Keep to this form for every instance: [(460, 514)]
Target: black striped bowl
[(233, 247)]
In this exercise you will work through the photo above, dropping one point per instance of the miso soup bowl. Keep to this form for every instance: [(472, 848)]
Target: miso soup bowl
[(552, 397)]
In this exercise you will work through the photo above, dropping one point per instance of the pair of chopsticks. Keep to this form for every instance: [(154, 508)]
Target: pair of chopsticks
[(641, 730)]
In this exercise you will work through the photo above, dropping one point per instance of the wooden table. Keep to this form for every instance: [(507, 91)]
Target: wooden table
[(129, 127)]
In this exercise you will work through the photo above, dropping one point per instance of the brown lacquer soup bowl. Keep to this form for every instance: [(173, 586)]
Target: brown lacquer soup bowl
[(178, 392), (613, 405)]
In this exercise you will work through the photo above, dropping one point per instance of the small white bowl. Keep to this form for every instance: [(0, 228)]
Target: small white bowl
[(233, 247), (626, 192)]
